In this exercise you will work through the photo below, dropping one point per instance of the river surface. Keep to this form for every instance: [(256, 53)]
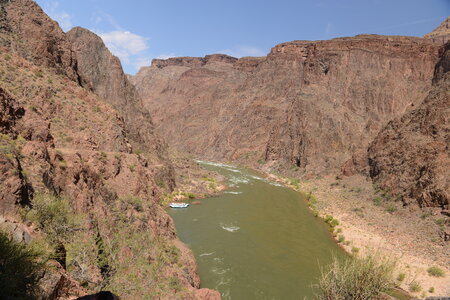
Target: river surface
[(258, 240)]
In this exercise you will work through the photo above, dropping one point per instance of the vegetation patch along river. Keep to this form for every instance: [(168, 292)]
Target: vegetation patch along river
[(257, 240)]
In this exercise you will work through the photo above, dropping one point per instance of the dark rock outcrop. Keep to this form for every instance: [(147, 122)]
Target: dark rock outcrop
[(103, 295), (410, 157)]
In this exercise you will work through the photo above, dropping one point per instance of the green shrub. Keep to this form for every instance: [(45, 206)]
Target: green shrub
[(208, 179), (138, 151), (341, 238), (356, 190), (20, 268), (55, 217), (294, 181), (135, 202), (356, 278), (261, 161), (415, 287), (11, 147), (175, 284), (401, 277), (161, 183), (440, 222), (391, 209), (331, 221), (312, 200), (39, 73), (103, 156), (436, 272), (82, 257), (431, 290), (62, 164), (189, 195), (355, 250), (212, 186), (377, 201), (425, 215)]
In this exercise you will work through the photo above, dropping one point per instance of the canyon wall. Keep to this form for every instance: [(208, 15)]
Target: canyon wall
[(306, 105), (410, 157)]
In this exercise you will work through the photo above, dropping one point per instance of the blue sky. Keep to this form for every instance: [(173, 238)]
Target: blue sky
[(138, 31)]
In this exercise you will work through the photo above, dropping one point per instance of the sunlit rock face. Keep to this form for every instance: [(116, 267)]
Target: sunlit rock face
[(307, 105)]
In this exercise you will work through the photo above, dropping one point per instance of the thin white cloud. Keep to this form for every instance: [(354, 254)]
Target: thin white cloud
[(414, 22), (166, 56), (241, 51), (63, 18), (102, 17), (328, 29), (96, 19)]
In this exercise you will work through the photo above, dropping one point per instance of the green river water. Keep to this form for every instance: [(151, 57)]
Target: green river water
[(258, 240)]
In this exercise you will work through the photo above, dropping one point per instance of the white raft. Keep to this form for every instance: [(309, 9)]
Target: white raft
[(178, 205)]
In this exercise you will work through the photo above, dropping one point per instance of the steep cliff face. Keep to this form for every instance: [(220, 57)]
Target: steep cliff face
[(441, 34), (102, 73), (27, 31), (410, 157), (309, 105)]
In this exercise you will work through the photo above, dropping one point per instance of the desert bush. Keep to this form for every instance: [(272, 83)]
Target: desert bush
[(208, 179), (436, 271), (377, 201), (11, 147), (135, 202), (82, 257), (391, 209), (55, 217), (415, 287), (140, 272), (331, 221), (401, 277), (20, 268), (356, 278)]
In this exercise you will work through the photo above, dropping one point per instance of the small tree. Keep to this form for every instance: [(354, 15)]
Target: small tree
[(56, 218)]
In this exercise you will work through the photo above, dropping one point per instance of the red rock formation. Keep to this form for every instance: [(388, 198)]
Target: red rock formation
[(307, 104), (26, 30), (410, 157), (102, 72), (441, 34)]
